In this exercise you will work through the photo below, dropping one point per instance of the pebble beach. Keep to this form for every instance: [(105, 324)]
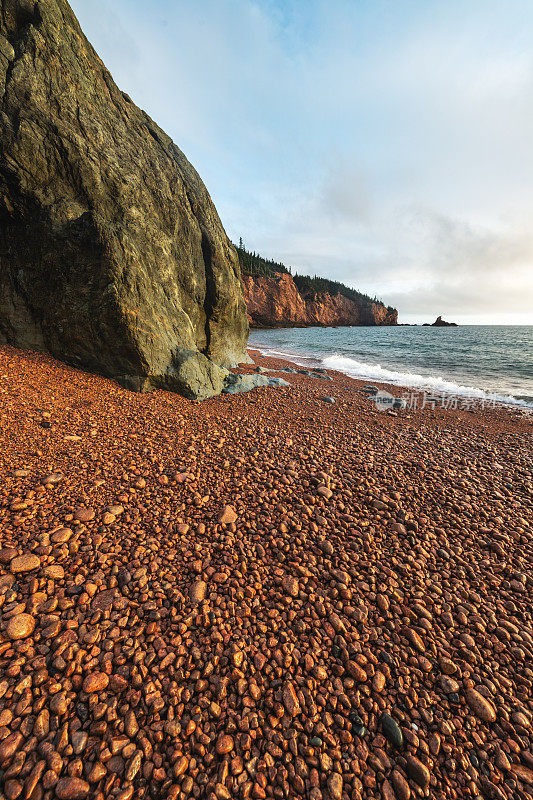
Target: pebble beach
[(265, 595)]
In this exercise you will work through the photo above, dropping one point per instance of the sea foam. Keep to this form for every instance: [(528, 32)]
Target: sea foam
[(375, 372), (412, 380)]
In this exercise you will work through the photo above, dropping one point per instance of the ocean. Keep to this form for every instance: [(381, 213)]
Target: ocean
[(486, 362)]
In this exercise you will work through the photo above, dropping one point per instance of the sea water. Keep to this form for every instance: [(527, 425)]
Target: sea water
[(487, 362)]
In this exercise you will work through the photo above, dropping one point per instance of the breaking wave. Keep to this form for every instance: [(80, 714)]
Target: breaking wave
[(437, 384)]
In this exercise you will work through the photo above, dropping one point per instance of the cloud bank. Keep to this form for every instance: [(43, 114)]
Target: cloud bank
[(386, 145)]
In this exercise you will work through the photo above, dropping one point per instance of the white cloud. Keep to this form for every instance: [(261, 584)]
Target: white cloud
[(387, 145)]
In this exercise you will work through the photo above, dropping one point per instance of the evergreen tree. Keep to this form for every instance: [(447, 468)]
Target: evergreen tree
[(254, 264)]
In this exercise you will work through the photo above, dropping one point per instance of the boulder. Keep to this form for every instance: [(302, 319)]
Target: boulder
[(112, 254), (235, 384)]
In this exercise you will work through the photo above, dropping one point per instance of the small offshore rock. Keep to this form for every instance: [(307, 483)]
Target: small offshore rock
[(235, 384)]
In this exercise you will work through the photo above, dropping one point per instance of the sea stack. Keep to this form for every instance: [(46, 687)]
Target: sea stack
[(112, 254), (441, 323)]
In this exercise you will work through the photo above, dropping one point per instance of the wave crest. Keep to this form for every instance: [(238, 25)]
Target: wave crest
[(437, 384)]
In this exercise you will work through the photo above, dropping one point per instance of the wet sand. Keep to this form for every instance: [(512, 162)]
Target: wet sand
[(260, 595)]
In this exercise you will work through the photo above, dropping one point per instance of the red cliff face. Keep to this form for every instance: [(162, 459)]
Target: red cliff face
[(277, 303)]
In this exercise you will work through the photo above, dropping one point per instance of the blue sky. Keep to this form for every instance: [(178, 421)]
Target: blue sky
[(385, 144)]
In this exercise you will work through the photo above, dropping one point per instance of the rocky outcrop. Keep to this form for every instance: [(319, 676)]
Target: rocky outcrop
[(112, 254), (441, 323), (276, 302)]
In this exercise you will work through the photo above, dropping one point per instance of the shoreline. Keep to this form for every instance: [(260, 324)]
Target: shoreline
[(436, 385), (472, 403), (261, 595)]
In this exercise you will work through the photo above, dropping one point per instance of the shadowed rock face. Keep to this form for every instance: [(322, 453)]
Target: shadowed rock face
[(112, 254), (276, 302)]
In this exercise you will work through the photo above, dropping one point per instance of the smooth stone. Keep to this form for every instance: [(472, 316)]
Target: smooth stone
[(20, 627), (522, 773), (448, 685), (54, 572), (224, 744), (72, 789), (290, 586), (10, 745), (290, 699), (418, 771), (25, 563), (334, 784), (58, 704), (55, 477), (401, 787), (392, 730), (61, 536), (103, 600), (198, 591), (7, 554), (79, 741), (379, 681), (481, 707), (356, 671), (227, 515), (133, 766), (96, 682)]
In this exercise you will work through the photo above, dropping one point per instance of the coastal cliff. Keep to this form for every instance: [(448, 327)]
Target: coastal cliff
[(276, 301), (112, 255)]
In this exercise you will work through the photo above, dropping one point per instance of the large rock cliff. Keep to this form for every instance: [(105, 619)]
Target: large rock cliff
[(274, 302), (112, 254)]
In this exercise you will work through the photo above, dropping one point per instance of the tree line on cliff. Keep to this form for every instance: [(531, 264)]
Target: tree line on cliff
[(256, 265)]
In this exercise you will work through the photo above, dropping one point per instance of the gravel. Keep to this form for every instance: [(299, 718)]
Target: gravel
[(260, 596)]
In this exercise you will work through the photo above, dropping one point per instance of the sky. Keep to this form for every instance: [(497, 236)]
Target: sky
[(387, 145)]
